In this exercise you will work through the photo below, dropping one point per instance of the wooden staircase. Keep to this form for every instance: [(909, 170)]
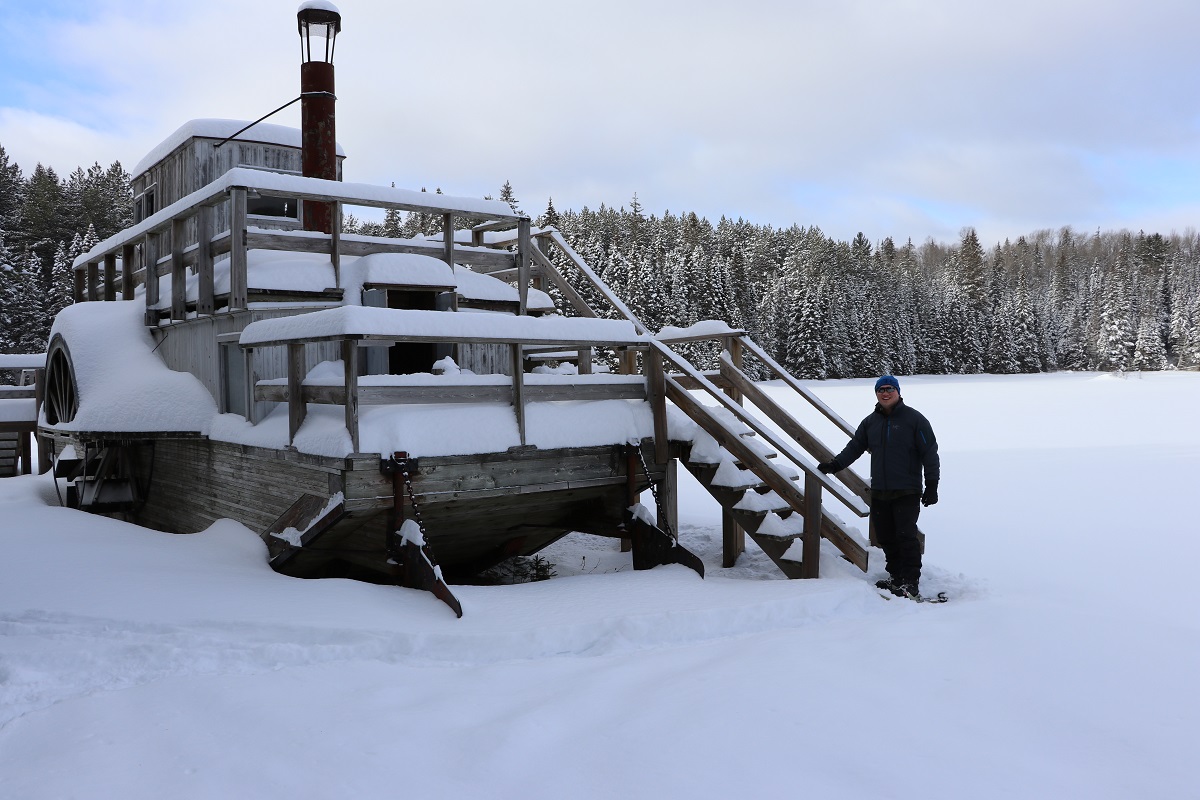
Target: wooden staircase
[(772, 499)]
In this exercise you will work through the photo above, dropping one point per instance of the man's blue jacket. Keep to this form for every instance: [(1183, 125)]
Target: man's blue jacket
[(901, 442)]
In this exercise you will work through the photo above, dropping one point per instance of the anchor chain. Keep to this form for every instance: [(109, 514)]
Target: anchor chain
[(658, 505)]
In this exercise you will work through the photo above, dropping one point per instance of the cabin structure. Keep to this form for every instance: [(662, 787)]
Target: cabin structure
[(399, 410)]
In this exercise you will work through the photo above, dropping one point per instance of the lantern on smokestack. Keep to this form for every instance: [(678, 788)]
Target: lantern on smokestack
[(319, 23)]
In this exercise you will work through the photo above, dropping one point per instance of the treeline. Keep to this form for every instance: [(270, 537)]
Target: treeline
[(824, 308), (45, 222), (1052, 300)]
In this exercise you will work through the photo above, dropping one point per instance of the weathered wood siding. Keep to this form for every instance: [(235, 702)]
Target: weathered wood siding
[(196, 482)]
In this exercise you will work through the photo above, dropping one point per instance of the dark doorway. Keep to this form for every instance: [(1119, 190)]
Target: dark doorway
[(411, 357)]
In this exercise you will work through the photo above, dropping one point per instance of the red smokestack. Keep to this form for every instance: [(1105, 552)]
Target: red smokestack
[(319, 23)]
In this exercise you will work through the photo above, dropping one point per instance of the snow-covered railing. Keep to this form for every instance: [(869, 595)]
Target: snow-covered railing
[(19, 407), (358, 326), (183, 236)]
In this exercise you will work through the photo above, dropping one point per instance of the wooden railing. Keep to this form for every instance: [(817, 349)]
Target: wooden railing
[(517, 391), (182, 237), (30, 371)]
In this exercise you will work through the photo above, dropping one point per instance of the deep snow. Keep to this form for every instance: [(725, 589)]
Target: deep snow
[(136, 664)]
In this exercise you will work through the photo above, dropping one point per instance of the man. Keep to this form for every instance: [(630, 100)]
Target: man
[(901, 442)]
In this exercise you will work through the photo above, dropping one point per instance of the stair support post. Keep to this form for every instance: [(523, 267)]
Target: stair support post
[(811, 565), (733, 536)]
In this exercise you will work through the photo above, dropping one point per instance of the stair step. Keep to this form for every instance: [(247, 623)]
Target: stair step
[(754, 503), (730, 476)]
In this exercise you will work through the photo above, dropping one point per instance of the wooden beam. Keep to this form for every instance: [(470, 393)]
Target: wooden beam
[(79, 286), (484, 261)]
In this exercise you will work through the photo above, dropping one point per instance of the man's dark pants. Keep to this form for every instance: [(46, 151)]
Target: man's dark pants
[(895, 523)]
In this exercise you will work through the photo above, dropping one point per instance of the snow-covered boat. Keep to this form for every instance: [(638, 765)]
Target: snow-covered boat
[(376, 407)]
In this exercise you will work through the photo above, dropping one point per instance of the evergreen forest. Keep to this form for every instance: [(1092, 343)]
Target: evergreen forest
[(1051, 300)]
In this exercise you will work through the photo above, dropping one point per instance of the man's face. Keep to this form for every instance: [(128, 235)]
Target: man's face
[(887, 396)]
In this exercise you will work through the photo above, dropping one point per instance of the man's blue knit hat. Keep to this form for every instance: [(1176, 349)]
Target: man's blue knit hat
[(887, 380)]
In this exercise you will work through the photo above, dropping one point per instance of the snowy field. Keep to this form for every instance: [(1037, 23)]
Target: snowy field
[(136, 664)]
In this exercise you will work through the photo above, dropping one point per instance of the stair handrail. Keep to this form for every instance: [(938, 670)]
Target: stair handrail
[(850, 500), (791, 381)]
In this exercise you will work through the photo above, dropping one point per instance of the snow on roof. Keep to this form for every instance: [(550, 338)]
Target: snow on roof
[(320, 5), (263, 132), (350, 321), (122, 385), (403, 269)]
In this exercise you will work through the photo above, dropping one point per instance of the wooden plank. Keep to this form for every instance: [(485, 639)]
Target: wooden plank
[(150, 258), (79, 285)]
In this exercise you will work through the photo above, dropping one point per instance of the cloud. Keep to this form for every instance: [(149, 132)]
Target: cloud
[(901, 119)]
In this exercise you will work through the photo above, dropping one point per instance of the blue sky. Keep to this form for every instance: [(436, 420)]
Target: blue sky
[(909, 118)]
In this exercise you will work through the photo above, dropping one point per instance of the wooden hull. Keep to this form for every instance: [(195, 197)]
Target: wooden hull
[(477, 509)]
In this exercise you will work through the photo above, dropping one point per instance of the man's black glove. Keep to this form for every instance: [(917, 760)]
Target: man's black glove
[(828, 466), (930, 496)]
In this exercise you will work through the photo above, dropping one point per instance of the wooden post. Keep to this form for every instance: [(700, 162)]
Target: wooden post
[(524, 244), (178, 272), (150, 272), (583, 360), (335, 247), (237, 248), (350, 364), (251, 382), (448, 239), (297, 408), (110, 276), (656, 393), (732, 534), (79, 285), (669, 493), (518, 370), (127, 269), (93, 280), (811, 566), (205, 303)]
